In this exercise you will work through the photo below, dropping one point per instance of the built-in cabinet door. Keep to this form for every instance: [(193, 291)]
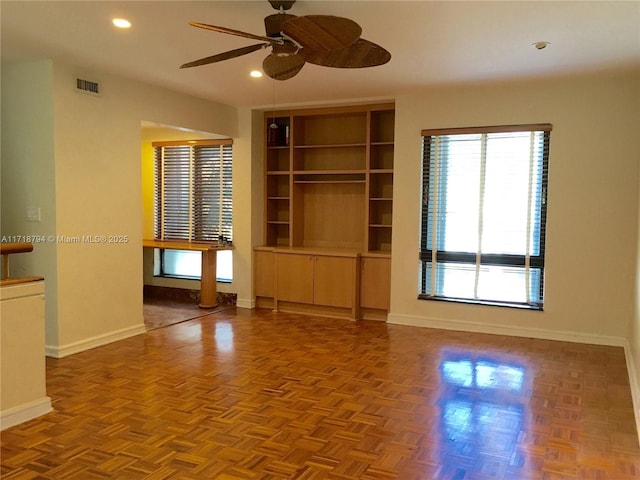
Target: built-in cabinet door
[(375, 282), (316, 279), (294, 277), (264, 273), (334, 281)]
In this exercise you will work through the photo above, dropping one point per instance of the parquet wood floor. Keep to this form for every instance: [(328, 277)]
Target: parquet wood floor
[(241, 395), (162, 312)]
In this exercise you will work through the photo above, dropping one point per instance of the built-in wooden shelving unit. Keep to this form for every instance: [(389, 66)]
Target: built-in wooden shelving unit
[(329, 185)]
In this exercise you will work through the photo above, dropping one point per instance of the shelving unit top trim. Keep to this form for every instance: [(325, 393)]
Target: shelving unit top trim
[(328, 182), (331, 145), (329, 110), (332, 252), (329, 172)]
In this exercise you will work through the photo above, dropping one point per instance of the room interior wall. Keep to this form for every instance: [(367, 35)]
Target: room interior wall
[(633, 351), (592, 225), (95, 149), (106, 130), (243, 203), (27, 175)]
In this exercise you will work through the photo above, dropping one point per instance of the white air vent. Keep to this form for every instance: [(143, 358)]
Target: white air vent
[(87, 86)]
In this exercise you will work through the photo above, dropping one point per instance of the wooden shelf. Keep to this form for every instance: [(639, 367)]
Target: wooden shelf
[(278, 138), (337, 128), (382, 126)]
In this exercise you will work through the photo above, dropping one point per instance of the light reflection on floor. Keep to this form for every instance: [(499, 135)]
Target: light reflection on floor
[(224, 336), (482, 412), (483, 373)]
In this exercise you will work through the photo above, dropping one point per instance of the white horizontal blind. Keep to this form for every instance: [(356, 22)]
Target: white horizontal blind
[(484, 214), (193, 191), (173, 186)]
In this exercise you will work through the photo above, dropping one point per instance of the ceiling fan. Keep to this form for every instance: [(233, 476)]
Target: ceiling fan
[(324, 40)]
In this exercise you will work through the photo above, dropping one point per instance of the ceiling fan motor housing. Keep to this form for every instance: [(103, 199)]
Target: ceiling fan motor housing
[(273, 24)]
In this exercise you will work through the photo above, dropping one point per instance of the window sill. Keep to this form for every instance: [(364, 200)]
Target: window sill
[(187, 277), (519, 306)]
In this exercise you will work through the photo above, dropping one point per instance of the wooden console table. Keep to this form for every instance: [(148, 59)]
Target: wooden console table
[(208, 291)]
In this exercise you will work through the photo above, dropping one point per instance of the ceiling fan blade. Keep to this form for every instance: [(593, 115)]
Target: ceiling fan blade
[(360, 54), (322, 33), (225, 56), (230, 31), (283, 67)]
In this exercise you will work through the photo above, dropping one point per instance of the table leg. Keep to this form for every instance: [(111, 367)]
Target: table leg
[(208, 293)]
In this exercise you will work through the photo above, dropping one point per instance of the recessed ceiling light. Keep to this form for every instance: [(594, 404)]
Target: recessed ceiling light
[(121, 23), (255, 73), (541, 45)]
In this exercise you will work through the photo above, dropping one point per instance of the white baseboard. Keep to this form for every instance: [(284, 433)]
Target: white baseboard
[(541, 333), (246, 302), (22, 413), (93, 342)]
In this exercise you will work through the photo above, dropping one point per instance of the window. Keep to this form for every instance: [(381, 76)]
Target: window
[(483, 215), (193, 202), (188, 264)]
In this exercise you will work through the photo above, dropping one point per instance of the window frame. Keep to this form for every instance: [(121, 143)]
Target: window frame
[(479, 259)]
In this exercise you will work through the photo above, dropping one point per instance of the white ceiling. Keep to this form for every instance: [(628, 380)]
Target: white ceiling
[(431, 42)]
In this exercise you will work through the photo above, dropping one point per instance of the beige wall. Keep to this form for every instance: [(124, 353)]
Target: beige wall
[(27, 172), (592, 227), (633, 360), (245, 147)]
